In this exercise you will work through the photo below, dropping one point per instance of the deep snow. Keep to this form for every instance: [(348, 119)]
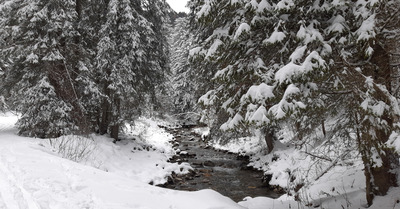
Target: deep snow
[(33, 175)]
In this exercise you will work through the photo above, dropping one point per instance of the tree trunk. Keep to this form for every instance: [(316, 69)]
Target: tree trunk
[(105, 111), (383, 176), (269, 138), (363, 149), (323, 128), (114, 129), (368, 180)]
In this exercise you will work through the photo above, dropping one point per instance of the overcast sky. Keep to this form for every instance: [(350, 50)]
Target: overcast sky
[(178, 5)]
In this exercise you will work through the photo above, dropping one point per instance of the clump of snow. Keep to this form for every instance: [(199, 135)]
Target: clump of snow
[(214, 47), (259, 92), (202, 131), (284, 5), (244, 27), (232, 122), (366, 30), (208, 98), (259, 117), (309, 34), (337, 24), (291, 70), (298, 54), (279, 110), (253, 4), (245, 145), (263, 5), (276, 36), (205, 9), (269, 203), (196, 51), (32, 58)]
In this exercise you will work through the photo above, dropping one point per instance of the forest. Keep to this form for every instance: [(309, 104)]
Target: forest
[(315, 83)]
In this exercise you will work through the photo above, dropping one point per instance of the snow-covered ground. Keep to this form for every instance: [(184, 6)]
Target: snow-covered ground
[(115, 176), (34, 175)]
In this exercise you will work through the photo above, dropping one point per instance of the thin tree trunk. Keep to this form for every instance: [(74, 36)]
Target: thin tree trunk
[(114, 132), (323, 128), (105, 115), (269, 139)]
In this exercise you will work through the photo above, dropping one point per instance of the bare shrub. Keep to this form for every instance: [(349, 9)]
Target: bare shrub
[(73, 147)]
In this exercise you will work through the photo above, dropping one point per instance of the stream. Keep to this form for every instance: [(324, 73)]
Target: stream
[(226, 173)]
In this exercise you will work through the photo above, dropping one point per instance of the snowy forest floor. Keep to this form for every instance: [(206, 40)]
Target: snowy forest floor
[(39, 174)]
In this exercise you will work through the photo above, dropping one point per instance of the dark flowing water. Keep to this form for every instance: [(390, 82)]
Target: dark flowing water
[(223, 172)]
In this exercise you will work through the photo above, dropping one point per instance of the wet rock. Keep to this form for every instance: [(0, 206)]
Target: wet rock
[(205, 170), (197, 164), (205, 181), (209, 163), (170, 180), (242, 157), (207, 175)]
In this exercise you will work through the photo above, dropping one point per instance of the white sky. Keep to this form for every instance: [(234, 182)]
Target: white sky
[(178, 5)]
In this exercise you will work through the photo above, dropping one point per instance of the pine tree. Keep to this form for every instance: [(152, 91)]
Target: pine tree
[(302, 63), (42, 45), (182, 78), (131, 59)]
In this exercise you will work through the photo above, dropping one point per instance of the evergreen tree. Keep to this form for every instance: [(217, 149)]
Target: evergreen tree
[(42, 45), (302, 63), (130, 58), (158, 13), (182, 78)]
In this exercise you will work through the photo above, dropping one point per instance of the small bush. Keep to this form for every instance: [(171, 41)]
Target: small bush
[(73, 147)]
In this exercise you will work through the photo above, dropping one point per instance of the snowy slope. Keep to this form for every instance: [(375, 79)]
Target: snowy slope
[(33, 177), (114, 176)]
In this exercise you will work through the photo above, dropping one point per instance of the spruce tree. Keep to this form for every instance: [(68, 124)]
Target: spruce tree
[(303, 63), (42, 45), (182, 78), (130, 59)]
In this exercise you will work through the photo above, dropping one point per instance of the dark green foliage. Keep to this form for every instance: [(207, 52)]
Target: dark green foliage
[(100, 60)]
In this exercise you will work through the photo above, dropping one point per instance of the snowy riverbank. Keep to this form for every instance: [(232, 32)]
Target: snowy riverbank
[(33, 175), (327, 184)]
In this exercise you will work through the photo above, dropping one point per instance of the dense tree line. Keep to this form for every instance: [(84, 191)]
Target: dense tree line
[(76, 66), (182, 77), (326, 69)]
